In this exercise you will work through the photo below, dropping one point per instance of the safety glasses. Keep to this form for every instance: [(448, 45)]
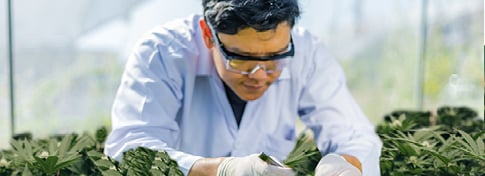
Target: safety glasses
[(250, 64)]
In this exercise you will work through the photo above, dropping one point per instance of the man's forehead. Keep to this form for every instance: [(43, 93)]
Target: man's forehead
[(267, 35), (250, 34), (251, 42)]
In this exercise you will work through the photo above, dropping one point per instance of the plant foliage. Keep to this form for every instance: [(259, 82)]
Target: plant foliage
[(414, 143), (304, 157), (80, 155), (453, 146)]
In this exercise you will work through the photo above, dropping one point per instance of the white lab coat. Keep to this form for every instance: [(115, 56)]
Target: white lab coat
[(172, 99)]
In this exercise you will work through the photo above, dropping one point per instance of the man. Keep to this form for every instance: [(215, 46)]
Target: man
[(215, 90)]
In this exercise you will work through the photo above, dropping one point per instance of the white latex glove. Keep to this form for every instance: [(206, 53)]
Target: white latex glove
[(335, 165), (250, 165)]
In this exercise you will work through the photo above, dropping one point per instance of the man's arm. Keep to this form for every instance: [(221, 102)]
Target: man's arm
[(147, 102)]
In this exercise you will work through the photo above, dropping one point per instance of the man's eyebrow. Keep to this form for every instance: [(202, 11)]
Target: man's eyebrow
[(245, 53)]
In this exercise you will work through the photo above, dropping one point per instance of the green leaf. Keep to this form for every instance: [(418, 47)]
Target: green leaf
[(305, 155), (67, 161), (82, 143), (469, 154), (26, 171), (479, 135), (160, 164), (52, 147), (65, 145), (472, 145), (111, 173), (481, 147), (101, 134), (104, 164), (94, 155), (442, 158), (175, 172), (28, 149), (23, 150), (156, 172), (46, 165), (424, 134)]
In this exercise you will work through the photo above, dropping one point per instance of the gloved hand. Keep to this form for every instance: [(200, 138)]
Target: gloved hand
[(335, 165), (250, 165)]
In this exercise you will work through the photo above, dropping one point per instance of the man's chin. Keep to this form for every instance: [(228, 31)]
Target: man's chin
[(248, 94), (251, 97)]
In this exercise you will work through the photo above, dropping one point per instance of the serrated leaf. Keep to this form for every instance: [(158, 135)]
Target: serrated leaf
[(174, 172), (481, 146), (469, 154), (479, 135), (26, 171), (28, 149), (442, 158), (46, 165), (423, 134), (156, 172), (437, 135), (67, 161), (23, 151), (305, 155), (65, 145), (111, 173), (94, 155), (104, 164), (52, 147), (159, 163), (472, 145), (83, 142), (406, 148)]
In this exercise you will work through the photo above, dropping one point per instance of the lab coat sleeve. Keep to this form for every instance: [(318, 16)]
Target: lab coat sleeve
[(327, 107), (147, 103)]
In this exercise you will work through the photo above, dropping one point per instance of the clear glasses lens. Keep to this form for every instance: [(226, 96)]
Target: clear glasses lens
[(246, 67)]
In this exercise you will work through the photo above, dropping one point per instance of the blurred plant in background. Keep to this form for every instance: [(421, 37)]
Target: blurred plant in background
[(68, 69), (74, 98), (383, 72)]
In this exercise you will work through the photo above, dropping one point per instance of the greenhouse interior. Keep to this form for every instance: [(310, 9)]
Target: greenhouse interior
[(61, 64)]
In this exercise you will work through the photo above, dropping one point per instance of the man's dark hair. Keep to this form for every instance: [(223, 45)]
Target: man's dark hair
[(230, 16)]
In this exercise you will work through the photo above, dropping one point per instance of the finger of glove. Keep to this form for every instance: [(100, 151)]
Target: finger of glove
[(334, 164), (261, 167), (278, 171), (332, 158), (336, 170), (250, 165)]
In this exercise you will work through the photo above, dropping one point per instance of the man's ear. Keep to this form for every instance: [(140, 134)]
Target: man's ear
[(206, 33)]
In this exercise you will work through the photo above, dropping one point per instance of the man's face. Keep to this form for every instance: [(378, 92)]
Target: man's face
[(249, 42)]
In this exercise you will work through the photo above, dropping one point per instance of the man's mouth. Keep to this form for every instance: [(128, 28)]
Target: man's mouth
[(253, 87)]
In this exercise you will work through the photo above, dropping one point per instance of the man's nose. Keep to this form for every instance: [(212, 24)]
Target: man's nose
[(258, 73)]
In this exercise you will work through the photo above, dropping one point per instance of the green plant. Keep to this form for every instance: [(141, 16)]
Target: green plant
[(412, 145), (46, 157), (463, 118), (80, 155), (411, 148), (304, 157), (139, 162)]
